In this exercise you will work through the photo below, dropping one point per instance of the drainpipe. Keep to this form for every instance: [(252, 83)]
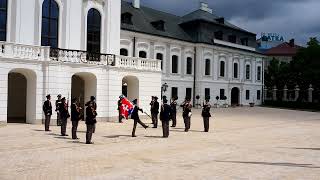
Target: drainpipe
[(134, 47), (194, 76)]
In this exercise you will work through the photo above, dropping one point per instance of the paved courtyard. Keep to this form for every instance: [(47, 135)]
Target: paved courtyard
[(243, 143)]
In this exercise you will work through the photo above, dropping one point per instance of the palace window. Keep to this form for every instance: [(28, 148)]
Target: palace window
[(142, 54), (218, 35), (93, 31), (247, 72), (222, 68), (259, 73), (174, 92), (247, 94), (188, 93), (208, 67), (50, 24), (174, 64), (235, 70), (189, 65), (123, 52), (159, 25), (159, 56), (232, 38), (207, 93), (222, 94), (3, 20), (126, 18), (244, 41), (258, 95)]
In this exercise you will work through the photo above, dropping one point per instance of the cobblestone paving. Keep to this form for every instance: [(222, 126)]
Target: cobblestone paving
[(243, 143)]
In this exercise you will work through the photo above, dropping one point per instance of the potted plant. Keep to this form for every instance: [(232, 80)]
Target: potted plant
[(216, 105), (252, 104), (225, 102)]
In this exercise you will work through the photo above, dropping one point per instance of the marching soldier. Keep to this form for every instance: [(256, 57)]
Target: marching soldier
[(165, 115), (47, 110), (186, 114), (173, 106), (90, 121), (136, 118), (58, 104), (64, 115), (206, 114), (75, 117), (151, 105), (155, 111), (119, 109)]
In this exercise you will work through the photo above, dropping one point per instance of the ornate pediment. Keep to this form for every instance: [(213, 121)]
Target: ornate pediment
[(102, 2)]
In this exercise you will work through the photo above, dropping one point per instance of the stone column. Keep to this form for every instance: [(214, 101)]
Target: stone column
[(285, 93), (310, 93), (296, 93), (274, 93)]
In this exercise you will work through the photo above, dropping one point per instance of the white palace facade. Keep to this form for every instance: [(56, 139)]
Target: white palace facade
[(105, 48)]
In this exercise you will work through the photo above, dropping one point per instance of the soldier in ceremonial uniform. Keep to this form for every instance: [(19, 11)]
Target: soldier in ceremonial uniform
[(90, 121), (119, 109), (47, 110), (94, 106), (58, 104), (75, 117), (173, 117), (64, 115), (165, 115), (151, 104), (155, 111), (186, 114), (136, 118), (206, 114)]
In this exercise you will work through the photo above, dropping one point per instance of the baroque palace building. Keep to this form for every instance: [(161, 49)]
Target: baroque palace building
[(105, 48)]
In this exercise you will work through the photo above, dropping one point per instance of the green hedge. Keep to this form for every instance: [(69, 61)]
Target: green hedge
[(294, 105)]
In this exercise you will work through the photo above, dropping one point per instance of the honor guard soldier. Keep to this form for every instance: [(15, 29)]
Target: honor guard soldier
[(94, 106), (64, 115), (165, 115), (136, 118), (47, 110), (151, 104), (75, 117), (155, 111), (206, 114), (90, 121), (186, 114), (173, 106), (119, 109), (58, 104)]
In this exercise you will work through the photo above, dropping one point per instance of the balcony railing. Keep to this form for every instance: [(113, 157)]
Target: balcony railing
[(42, 53)]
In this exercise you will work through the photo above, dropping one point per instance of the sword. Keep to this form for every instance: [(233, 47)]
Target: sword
[(147, 115)]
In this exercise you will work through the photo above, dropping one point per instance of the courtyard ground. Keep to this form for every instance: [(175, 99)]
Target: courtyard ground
[(243, 143)]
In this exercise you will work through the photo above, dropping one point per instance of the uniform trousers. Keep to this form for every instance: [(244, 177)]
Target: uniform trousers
[(64, 122), (58, 119), (154, 119), (89, 132), (74, 129), (206, 124), (165, 128), (174, 119), (187, 123), (47, 122), (136, 121)]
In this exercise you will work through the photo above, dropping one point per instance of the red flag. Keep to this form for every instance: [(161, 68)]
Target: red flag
[(126, 108)]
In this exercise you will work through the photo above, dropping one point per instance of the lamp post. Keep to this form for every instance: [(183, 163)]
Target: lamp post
[(164, 88)]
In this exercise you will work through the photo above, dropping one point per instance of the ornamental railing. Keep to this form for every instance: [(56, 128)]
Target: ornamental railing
[(138, 63)]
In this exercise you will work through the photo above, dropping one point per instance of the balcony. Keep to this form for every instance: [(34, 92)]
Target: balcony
[(41, 53)]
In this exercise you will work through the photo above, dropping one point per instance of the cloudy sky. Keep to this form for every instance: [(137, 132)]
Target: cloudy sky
[(299, 19)]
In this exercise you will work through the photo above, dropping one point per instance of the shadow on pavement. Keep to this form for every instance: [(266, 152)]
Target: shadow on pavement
[(116, 136), (272, 164)]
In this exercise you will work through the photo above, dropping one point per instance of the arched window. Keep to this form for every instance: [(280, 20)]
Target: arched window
[(174, 64), (222, 68), (123, 52), (208, 67), (189, 65), (142, 54), (235, 70), (247, 71), (159, 56), (93, 31), (50, 24)]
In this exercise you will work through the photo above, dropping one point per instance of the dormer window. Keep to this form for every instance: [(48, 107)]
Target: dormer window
[(159, 25), (232, 38), (218, 35), (126, 18), (220, 20), (244, 41)]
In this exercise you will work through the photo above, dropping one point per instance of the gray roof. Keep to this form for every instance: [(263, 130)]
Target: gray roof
[(142, 18)]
